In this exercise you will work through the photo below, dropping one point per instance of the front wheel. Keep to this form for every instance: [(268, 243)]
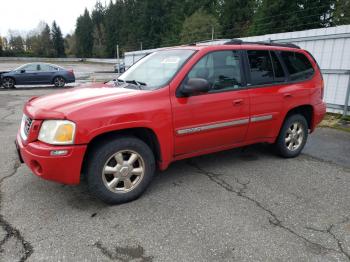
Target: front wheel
[(8, 82), (59, 81), (292, 137), (120, 170)]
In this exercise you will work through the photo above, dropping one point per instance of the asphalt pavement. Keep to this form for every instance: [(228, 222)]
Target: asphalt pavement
[(244, 204)]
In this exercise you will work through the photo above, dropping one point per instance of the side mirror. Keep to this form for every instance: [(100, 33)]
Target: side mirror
[(22, 71), (195, 85)]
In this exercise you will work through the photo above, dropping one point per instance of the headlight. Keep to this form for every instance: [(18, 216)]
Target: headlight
[(57, 132)]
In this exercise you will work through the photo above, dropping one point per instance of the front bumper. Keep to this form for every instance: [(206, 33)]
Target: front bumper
[(62, 169)]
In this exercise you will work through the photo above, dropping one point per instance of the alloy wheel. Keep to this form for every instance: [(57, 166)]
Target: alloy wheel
[(294, 136), (59, 82), (123, 171), (8, 83)]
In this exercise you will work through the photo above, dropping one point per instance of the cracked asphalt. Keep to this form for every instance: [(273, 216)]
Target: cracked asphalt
[(239, 205)]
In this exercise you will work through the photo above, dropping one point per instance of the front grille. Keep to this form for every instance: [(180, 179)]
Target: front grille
[(25, 126)]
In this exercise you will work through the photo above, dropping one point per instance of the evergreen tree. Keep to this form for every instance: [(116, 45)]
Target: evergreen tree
[(235, 17), (84, 35), (57, 40), (45, 45), (341, 14), (70, 45), (1, 46), (274, 16)]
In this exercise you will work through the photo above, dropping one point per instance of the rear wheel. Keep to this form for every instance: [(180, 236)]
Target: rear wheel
[(292, 137), (8, 82), (59, 81), (120, 170)]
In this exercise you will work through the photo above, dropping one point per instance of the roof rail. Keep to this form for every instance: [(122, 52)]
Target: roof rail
[(241, 42)]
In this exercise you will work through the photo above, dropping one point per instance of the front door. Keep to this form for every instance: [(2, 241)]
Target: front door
[(219, 117), (27, 74)]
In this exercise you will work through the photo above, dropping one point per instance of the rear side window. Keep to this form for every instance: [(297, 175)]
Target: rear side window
[(277, 68), (298, 66), (265, 67)]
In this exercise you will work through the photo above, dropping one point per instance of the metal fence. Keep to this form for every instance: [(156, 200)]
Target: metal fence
[(331, 48)]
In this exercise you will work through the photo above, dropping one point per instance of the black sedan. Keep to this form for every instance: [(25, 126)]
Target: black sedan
[(37, 74)]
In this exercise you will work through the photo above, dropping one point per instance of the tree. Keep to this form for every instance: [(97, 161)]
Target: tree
[(16, 43), (341, 12), (70, 45), (99, 33), (274, 16), (57, 40), (44, 45), (314, 14), (1, 46), (236, 17), (84, 35), (199, 26)]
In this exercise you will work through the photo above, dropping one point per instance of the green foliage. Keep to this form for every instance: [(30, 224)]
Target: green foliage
[(70, 45), (199, 26), (57, 40), (341, 12), (1, 46), (84, 35), (236, 17)]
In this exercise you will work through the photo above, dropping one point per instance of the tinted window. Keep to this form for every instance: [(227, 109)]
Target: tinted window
[(277, 68), (298, 66), (221, 69), (261, 71)]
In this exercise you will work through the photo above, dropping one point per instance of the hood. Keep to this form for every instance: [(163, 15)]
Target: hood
[(59, 105)]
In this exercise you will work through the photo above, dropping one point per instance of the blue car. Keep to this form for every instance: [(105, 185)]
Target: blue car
[(37, 74)]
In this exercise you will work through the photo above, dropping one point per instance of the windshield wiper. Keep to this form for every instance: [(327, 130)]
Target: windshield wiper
[(138, 84), (135, 82)]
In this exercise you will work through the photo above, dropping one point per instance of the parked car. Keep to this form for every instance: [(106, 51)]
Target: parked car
[(119, 68), (37, 74), (173, 104)]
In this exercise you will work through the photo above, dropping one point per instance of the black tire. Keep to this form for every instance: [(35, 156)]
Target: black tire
[(103, 154), (297, 141), (8, 83), (59, 81)]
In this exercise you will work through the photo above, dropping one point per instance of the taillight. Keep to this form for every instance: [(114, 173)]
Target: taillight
[(322, 88), (71, 71)]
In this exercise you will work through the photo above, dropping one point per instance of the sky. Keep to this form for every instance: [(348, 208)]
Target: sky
[(25, 15)]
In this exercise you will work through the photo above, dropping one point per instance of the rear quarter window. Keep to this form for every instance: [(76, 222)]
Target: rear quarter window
[(298, 65)]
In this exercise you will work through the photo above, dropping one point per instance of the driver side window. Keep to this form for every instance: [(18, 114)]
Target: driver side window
[(221, 69)]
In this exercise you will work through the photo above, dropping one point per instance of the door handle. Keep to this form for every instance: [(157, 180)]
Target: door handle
[(237, 102), (288, 95)]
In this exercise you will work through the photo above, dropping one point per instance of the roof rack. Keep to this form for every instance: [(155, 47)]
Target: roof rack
[(241, 42)]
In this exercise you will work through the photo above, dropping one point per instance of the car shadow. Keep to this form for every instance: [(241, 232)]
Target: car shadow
[(177, 173)]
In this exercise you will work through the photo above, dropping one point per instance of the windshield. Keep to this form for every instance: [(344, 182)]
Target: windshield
[(156, 69)]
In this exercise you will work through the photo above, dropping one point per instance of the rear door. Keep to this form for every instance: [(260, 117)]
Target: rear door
[(267, 82), (218, 118), (46, 74)]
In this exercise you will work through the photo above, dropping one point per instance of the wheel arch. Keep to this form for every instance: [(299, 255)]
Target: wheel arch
[(12, 77), (53, 78), (145, 134), (304, 110)]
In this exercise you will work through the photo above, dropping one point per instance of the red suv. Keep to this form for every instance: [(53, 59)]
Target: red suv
[(173, 104)]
